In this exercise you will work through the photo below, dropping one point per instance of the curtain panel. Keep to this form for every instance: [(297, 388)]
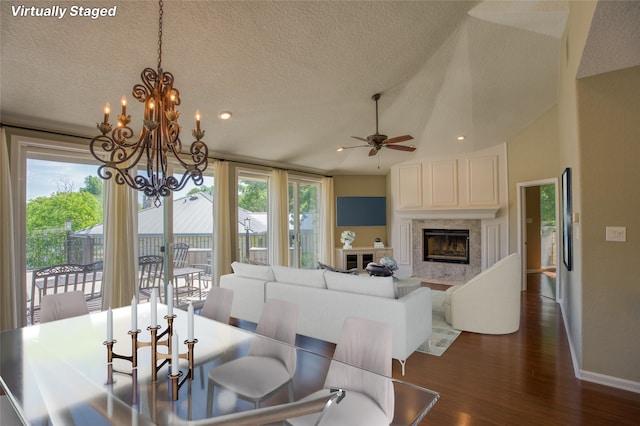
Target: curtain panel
[(328, 222), (120, 245), (279, 217), (8, 311), (222, 257)]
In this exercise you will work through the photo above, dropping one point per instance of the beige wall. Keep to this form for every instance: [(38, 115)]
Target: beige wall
[(532, 155), (361, 186), (595, 130), (609, 128)]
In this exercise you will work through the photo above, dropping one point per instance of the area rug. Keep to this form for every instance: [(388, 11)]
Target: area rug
[(442, 335)]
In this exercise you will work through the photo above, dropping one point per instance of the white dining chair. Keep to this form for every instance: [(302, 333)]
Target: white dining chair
[(217, 305), (62, 305), (362, 366), (8, 415), (269, 365)]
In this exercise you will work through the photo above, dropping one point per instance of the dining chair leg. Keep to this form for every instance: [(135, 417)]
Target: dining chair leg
[(210, 395)]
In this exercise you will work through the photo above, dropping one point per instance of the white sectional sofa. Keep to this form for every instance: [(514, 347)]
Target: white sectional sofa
[(326, 298)]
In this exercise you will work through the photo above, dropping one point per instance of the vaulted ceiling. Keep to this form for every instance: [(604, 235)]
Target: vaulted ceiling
[(297, 75)]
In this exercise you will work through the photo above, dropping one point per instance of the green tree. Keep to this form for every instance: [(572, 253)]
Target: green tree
[(93, 185), (203, 188), (252, 195), (548, 204), (82, 209)]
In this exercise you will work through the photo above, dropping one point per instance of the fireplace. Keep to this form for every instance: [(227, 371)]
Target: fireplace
[(446, 245)]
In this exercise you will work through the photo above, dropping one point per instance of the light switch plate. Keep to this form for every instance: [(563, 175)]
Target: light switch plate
[(616, 233)]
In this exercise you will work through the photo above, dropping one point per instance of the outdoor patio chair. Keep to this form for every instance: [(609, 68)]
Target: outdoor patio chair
[(180, 251), (150, 276), (86, 279)]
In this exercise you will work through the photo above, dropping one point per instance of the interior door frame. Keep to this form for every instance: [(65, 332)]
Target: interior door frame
[(522, 229)]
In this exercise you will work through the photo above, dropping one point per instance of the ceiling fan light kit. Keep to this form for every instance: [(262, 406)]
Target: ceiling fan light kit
[(377, 141)]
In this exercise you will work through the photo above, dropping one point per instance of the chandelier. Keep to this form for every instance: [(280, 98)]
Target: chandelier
[(159, 139)]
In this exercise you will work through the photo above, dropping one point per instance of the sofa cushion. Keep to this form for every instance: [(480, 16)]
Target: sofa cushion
[(373, 286), (258, 272), (306, 277)]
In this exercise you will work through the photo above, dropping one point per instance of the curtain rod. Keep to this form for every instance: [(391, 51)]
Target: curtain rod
[(70, 135)]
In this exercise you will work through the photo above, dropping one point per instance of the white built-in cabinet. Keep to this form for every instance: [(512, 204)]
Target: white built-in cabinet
[(453, 183)]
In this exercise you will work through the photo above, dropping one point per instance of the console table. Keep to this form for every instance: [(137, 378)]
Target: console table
[(360, 257)]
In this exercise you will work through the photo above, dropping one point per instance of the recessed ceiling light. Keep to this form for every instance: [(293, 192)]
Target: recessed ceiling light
[(461, 137), (225, 115)]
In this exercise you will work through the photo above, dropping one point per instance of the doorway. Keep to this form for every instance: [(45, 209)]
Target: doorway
[(537, 232)]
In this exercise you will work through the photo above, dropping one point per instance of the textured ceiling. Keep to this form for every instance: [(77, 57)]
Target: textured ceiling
[(298, 75)]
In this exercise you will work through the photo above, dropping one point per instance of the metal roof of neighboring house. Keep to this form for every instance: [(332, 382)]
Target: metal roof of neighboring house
[(193, 214)]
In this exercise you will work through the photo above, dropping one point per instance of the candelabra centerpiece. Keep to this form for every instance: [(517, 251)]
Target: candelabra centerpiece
[(172, 342)]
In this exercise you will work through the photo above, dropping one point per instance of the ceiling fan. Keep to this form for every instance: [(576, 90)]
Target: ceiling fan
[(378, 141)]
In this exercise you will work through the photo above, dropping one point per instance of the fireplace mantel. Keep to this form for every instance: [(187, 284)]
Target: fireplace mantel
[(481, 213)]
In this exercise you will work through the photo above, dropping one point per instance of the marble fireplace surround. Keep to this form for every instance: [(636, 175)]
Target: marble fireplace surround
[(441, 271)]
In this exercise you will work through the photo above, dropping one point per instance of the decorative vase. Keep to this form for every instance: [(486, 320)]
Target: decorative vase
[(346, 246)]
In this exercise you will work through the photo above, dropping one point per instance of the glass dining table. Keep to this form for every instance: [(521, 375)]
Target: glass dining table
[(58, 372)]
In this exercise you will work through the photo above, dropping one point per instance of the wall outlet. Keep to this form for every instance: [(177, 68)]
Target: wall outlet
[(616, 233)]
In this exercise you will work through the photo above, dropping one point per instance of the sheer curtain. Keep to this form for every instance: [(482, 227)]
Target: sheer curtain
[(8, 280), (328, 222), (120, 245), (221, 222), (279, 217)]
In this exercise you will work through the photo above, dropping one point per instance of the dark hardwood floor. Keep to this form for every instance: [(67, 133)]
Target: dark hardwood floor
[(525, 378)]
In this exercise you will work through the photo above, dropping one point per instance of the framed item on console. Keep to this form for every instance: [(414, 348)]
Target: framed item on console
[(567, 220)]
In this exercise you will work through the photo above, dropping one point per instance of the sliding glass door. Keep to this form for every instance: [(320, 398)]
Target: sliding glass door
[(304, 223)]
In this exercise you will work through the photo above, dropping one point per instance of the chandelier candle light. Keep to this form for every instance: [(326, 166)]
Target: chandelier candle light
[(172, 356), (121, 155)]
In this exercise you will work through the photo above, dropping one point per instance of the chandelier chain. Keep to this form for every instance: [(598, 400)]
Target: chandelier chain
[(161, 3)]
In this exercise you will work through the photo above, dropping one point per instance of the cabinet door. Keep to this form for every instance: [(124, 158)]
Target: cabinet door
[(351, 261), (444, 183), (409, 186), (482, 181), (367, 258)]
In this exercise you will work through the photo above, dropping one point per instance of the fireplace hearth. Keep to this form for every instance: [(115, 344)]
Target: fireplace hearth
[(446, 245)]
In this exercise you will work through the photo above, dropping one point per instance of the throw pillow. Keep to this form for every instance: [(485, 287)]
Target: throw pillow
[(258, 272), (352, 271), (376, 270)]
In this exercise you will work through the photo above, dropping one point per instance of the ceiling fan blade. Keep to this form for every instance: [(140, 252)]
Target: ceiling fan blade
[(354, 146), (373, 152), (402, 147), (399, 139), (360, 139)]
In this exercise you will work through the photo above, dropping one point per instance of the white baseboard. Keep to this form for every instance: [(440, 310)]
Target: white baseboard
[(598, 378), (611, 381), (574, 360)]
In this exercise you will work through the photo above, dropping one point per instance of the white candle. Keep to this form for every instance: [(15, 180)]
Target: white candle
[(190, 322), (175, 367), (109, 325), (170, 301), (154, 308), (134, 313)]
